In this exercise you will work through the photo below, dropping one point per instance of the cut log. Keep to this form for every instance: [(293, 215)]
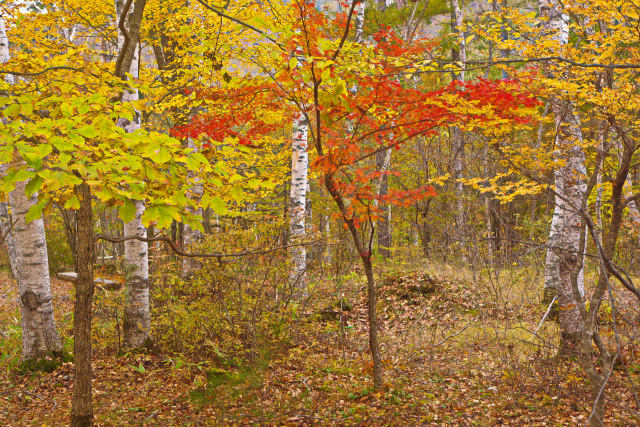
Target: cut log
[(72, 276), (68, 276)]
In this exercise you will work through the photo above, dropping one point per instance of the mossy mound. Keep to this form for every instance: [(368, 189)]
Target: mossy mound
[(47, 363)]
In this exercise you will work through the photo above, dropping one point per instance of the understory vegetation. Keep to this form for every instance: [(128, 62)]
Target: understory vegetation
[(459, 348)]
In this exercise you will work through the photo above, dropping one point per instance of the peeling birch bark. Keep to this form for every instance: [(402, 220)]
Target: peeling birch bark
[(570, 187), (27, 248)]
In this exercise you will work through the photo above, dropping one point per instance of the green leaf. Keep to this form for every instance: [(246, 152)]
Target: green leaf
[(162, 156), (65, 144), (72, 203), (218, 205), (88, 131), (33, 185), (127, 211), (35, 212), (76, 141), (22, 175), (44, 149)]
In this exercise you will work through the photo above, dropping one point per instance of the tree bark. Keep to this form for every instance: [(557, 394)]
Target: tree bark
[(384, 222), (6, 228), (459, 54), (191, 235), (359, 21), (298, 194), (137, 318), (27, 249), (81, 406), (39, 335), (570, 187), (365, 257)]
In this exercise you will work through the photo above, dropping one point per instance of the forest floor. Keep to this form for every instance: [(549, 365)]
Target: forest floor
[(455, 352)]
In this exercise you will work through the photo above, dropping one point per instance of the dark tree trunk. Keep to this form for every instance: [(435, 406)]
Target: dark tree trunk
[(81, 408), (365, 257), (70, 229), (373, 321)]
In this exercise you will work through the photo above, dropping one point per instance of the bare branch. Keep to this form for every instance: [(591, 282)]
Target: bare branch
[(174, 247)]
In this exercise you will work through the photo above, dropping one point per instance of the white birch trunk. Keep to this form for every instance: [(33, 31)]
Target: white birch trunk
[(570, 187), (298, 195), (5, 217), (359, 21), (39, 335), (137, 318), (27, 248)]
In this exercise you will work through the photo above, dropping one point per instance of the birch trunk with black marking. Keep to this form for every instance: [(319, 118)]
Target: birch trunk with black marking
[(137, 318), (359, 21), (27, 249), (563, 255), (298, 203)]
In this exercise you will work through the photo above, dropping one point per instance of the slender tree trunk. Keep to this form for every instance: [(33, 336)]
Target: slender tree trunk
[(359, 21), (602, 140), (459, 54), (365, 257), (297, 229), (191, 235), (27, 249), (81, 406), (384, 222), (137, 318), (374, 346), (6, 228), (328, 254), (363, 252)]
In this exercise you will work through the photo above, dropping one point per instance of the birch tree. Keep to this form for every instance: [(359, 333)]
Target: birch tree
[(570, 187), (27, 248), (298, 196), (137, 319), (458, 55)]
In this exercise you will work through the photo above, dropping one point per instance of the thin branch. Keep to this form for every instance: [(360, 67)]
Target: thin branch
[(346, 29), (127, 38), (238, 21), (180, 252), (447, 338), (38, 73), (545, 314)]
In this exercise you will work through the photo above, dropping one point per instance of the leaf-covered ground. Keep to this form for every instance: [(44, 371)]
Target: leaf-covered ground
[(455, 353)]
